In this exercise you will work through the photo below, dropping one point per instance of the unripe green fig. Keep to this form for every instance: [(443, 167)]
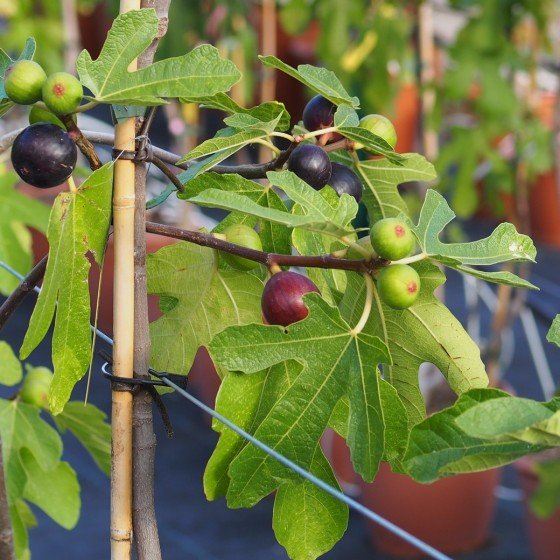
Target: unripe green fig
[(62, 93), (35, 387), (364, 242), (380, 126), (246, 237), (392, 239), (23, 82), (40, 115), (398, 285)]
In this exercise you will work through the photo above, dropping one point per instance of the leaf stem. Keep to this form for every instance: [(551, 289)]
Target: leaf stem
[(72, 184), (413, 259), (86, 107), (278, 134), (367, 306), (268, 145), (319, 132), (356, 246)]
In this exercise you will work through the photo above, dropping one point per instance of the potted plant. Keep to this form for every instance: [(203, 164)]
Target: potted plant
[(337, 343)]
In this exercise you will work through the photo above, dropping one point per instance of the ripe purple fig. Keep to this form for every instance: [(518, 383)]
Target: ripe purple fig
[(43, 155), (311, 164), (344, 180), (282, 298)]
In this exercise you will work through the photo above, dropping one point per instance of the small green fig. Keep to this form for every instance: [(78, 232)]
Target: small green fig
[(380, 126), (23, 82), (392, 239), (62, 93), (36, 386), (398, 285), (246, 237)]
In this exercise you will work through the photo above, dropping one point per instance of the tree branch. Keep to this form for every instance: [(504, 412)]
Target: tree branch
[(18, 295), (81, 141), (144, 522), (268, 259)]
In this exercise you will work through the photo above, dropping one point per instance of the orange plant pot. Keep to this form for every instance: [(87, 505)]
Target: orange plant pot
[(544, 534), (454, 514), (407, 114)]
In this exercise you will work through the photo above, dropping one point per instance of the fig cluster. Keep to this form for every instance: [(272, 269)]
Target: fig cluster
[(26, 83), (398, 285)]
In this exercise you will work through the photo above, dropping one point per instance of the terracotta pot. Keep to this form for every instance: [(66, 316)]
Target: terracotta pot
[(544, 534), (453, 514), (204, 379), (338, 455), (407, 114)]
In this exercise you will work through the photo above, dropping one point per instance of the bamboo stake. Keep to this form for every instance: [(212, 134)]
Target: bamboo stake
[(123, 329)]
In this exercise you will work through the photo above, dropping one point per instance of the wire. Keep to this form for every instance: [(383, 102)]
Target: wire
[(350, 502)]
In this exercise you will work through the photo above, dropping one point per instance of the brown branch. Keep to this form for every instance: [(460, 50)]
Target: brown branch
[(162, 166), (85, 146), (18, 295), (6, 531), (248, 171), (268, 259), (146, 537)]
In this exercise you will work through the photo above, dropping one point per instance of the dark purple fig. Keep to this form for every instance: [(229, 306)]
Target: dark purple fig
[(344, 181), (311, 164), (282, 298), (43, 155), (319, 113)]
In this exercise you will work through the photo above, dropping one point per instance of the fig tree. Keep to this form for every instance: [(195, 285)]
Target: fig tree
[(43, 155), (344, 180), (380, 126), (282, 298), (398, 285), (246, 237), (392, 239), (23, 82), (311, 164), (62, 93)]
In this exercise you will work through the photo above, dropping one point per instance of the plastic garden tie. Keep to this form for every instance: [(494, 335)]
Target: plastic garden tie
[(351, 503)]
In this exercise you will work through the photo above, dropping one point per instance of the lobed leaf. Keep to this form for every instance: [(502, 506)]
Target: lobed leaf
[(201, 301), (79, 224), (318, 79), (201, 72), (11, 371), (425, 332), (381, 178), (17, 211), (439, 447)]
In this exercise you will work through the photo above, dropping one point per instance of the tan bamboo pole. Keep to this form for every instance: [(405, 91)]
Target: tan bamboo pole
[(123, 334)]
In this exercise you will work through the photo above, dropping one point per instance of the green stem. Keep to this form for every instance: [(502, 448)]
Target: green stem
[(367, 306), (413, 259)]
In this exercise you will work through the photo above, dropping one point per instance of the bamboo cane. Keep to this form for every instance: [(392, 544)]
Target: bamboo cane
[(123, 331)]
